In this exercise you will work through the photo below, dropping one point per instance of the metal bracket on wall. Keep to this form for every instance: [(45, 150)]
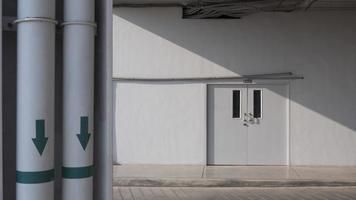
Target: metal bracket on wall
[(8, 24), (81, 23)]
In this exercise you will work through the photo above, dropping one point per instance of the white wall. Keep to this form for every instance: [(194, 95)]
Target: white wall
[(157, 42), (160, 124)]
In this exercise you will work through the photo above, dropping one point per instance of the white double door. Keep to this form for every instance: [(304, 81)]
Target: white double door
[(247, 124)]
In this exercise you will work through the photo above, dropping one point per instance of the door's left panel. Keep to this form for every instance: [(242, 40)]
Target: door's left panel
[(227, 131)]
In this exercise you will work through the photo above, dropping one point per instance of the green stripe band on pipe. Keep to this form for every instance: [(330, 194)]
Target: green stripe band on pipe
[(35, 177), (77, 172)]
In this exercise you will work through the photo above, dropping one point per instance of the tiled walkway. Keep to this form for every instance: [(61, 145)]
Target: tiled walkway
[(134, 193), (236, 172)]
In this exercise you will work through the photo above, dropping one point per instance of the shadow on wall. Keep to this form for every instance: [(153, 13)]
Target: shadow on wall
[(153, 42)]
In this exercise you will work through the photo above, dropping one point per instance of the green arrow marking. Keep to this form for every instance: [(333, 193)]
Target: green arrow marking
[(84, 135), (40, 141)]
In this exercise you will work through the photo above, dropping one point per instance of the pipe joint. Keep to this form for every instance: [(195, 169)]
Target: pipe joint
[(82, 23), (36, 19)]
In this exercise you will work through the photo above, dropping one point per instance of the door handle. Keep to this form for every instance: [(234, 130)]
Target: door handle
[(251, 118), (245, 117)]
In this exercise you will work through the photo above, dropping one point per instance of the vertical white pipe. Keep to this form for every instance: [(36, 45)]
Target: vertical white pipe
[(35, 100), (78, 99)]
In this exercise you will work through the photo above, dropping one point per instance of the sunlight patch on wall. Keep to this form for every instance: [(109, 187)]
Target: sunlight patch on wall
[(317, 139), (141, 53)]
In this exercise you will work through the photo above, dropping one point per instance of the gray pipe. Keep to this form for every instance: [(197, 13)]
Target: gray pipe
[(35, 99), (1, 132), (103, 103)]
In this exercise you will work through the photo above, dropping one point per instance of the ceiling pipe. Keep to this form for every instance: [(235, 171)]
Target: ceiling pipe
[(78, 99), (35, 99)]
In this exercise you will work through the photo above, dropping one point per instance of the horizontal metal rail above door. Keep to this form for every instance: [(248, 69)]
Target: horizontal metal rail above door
[(245, 78)]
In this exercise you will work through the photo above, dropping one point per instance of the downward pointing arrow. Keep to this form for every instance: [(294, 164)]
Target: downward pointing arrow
[(84, 135), (40, 141)]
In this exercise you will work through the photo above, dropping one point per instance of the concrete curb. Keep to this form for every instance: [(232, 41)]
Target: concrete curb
[(182, 182)]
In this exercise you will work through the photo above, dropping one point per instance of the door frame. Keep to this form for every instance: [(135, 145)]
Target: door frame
[(256, 83)]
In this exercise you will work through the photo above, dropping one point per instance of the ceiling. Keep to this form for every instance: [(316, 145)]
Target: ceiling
[(184, 2), (239, 8), (150, 1)]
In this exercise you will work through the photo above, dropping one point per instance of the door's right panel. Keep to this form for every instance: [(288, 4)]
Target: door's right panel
[(267, 132)]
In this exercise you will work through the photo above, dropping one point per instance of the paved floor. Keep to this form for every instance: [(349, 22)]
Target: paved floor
[(236, 172), (145, 193)]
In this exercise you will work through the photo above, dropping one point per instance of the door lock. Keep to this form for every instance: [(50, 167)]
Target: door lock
[(245, 117), (251, 118), (245, 120)]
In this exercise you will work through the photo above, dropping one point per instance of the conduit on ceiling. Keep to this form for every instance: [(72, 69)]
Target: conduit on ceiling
[(236, 9), (205, 9)]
